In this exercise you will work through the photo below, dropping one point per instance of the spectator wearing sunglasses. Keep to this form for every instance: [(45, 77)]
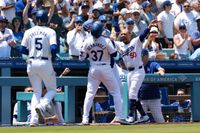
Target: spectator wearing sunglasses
[(187, 17)]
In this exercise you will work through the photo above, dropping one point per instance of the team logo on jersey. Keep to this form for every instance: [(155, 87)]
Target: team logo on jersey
[(129, 52)]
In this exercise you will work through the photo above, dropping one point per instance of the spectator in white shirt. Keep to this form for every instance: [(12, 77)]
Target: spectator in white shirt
[(139, 25), (186, 17), (75, 38), (7, 8), (6, 38), (177, 7), (165, 25)]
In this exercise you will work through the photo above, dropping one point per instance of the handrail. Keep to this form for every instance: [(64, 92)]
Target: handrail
[(70, 82)]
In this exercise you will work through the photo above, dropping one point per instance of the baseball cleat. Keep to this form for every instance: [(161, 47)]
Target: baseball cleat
[(143, 119), (85, 121), (121, 122), (33, 124), (130, 119), (39, 111)]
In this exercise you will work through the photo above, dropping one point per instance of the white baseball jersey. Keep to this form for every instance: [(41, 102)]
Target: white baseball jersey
[(98, 50), (39, 68), (131, 53), (38, 40)]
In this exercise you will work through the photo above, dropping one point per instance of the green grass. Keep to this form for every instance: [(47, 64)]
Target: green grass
[(153, 128)]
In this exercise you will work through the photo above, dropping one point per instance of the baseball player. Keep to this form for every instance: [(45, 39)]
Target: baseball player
[(130, 51), (39, 43), (98, 50), (150, 93)]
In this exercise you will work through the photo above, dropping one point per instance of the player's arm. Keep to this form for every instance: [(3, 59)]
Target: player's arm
[(25, 11), (53, 43), (146, 31), (160, 70), (51, 11), (83, 54), (23, 47), (115, 53)]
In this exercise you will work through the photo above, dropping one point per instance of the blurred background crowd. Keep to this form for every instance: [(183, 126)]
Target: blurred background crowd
[(177, 30)]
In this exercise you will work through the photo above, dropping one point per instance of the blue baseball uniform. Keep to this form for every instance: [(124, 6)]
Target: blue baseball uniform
[(150, 94)]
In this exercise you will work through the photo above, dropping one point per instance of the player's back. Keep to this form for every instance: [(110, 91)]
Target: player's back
[(38, 41), (99, 50)]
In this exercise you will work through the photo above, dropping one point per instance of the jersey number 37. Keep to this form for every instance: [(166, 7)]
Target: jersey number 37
[(97, 55)]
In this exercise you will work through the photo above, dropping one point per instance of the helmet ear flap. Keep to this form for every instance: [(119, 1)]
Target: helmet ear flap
[(97, 29)]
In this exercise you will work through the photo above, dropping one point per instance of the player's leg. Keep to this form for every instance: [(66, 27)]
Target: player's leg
[(49, 78), (135, 79), (155, 108), (145, 105), (58, 109), (111, 84), (116, 73), (36, 84), (92, 87)]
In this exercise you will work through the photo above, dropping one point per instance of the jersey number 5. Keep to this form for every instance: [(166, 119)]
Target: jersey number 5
[(97, 55), (38, 43)]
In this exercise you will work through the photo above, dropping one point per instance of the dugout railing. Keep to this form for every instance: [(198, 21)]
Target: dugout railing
[(70, 83)]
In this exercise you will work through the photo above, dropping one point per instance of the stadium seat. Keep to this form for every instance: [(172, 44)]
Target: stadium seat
[(168, 110)]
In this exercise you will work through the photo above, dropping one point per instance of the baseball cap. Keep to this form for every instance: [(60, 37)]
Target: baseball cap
[(129, 21), (136, 11), (167, 3), (84, 5), (78, 19), (144, 52), (102, 18), (72, 10), (106, 1), (182, 26), (145, 4), (3, 19), (123, 11), (154, 29)]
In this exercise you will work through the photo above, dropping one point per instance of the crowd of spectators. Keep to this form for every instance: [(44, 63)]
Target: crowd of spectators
[(69, 18), (178, 24)]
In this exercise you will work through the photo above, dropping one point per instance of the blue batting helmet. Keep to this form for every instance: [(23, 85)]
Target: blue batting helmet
[(87, 25), (97, 29), (42, 16)]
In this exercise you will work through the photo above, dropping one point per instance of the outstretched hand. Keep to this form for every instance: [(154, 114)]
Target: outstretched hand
[(153, 23), (65, 72)]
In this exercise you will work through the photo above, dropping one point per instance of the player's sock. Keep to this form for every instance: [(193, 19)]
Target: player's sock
[(139, 108), (132, 107)]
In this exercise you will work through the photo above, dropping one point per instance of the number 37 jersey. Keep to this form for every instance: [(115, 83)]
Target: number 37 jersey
[(97, 50), (38, 40)]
